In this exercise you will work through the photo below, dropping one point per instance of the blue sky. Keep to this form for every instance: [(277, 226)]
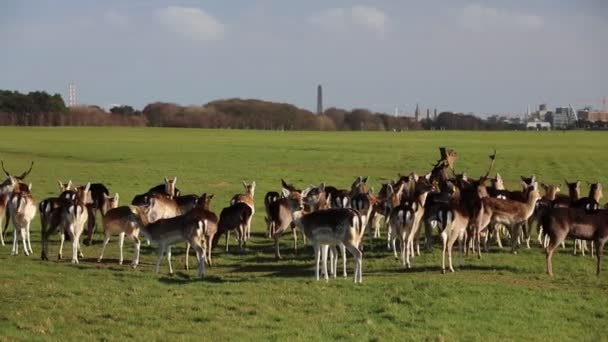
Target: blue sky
[(470, 56)]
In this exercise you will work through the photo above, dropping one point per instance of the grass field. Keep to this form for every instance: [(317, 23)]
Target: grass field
[(251, 296)]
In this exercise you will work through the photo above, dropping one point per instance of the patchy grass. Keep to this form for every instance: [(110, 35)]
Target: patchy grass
[(252, 296)]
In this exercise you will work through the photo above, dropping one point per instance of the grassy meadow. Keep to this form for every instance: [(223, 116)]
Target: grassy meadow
[(251, 296)]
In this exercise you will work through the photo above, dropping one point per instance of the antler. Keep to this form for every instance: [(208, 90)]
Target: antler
[(3, 169), (493, 158), (26, 173)]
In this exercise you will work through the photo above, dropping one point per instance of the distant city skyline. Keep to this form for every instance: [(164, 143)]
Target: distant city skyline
[(484, 57)]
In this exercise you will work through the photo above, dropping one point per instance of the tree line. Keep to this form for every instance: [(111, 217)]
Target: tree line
[(42, 109)]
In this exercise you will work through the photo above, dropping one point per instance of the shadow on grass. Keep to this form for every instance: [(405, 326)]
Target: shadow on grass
[(274, 270), (181, 278)]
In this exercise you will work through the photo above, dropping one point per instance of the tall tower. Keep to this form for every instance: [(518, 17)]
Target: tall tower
[(71, 94), (319, 100), (435, 115), (428, 114), (417, 113)]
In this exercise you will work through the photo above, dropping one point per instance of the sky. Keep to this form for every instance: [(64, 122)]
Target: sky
[(484, 57)]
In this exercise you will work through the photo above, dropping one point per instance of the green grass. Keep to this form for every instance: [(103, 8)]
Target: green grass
[(252, 296)]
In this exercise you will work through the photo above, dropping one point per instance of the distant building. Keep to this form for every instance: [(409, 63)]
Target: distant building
[(590, 116), (538, 125), (319, 100), (564, 117)]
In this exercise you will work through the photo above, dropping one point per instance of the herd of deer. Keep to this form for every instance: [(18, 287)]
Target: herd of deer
[(333, 220)]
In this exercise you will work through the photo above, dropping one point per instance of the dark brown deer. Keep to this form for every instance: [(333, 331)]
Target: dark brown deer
[(233, 218), (246, 198), (560, 223), (280, 218), (202, 212)]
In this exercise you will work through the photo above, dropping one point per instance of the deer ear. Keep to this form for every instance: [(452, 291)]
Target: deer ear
[(116, 197), (69, 184), (305, 192), (29, 187), (498, 178), (427, 176), (174, 180), (210, 196), (285, 192), (253, 184), (322, 187), (86, 188), (244, 184), (365, 179), (166, 180), (60, 184)]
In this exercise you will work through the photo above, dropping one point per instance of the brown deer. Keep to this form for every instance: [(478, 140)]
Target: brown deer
[(270, 197), (246, 198), (233, 218), (202, 212), (455, 220), (124, 221), (510, 213), (560, 223), (280, 218)]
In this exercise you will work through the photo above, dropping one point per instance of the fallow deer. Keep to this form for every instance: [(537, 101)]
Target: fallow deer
[(22, 209), (202, 212), (167, 188), (512, 214), (246, 198), (560, 223), (455, 219), (233, 218), (270, 197), (73, 219), (124, 221), (166, 232), (280, 218)]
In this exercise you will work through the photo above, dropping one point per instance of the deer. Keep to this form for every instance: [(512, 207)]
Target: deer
[(22, 209), (334, 226), (9, 185), (166, 232), (560, 223), (512, 214), (455, 220), (589, 203), (202, 212), (280, 218), (234, 217), (124, 221), (246, 198), (406, 219), (270, 197), (73, 219), (341, 197), (167, 188)]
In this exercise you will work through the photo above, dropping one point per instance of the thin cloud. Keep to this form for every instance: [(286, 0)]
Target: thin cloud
[(345, 19), (481, 18), (191, 23)]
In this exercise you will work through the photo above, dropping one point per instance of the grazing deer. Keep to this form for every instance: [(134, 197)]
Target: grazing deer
[(22, 209), (234, 217), (512, 214), (246, 198), (166, 232), (560, 223), (203, 213), (124, 221)]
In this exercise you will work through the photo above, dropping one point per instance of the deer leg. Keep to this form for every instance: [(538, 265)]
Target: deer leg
[(343, 253), (188, 254), (103, 248), (444, 246), (200, 256), (61, 240), (1, 231), (317, 249), (600, 249), (169, 259), (324, 250), (161, 251), (295, 240), (450, 246), (358, 256), (15, 250), (461, 249), (121, 242), (592, 248), (553, 243), (29, 241), (404, 247), (137, 246), (227, 236), (23, 233), (74, 244)]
